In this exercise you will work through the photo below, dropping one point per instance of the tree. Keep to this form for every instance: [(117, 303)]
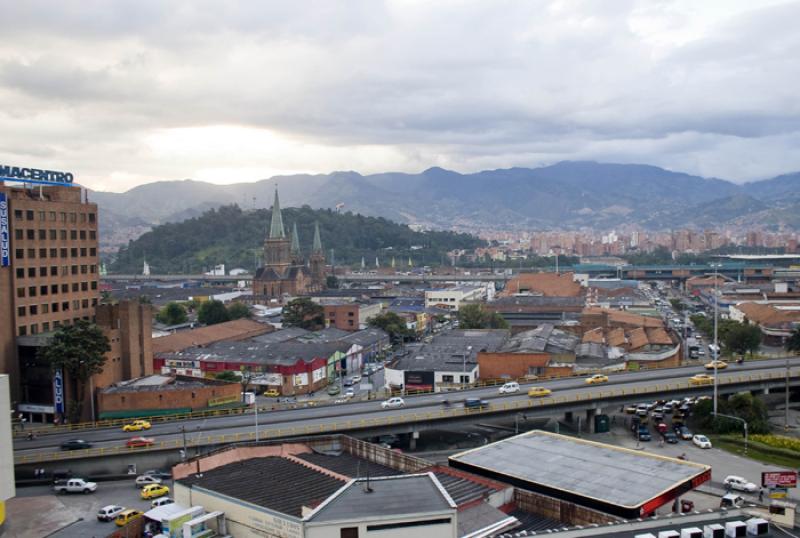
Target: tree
[(227, 375), (332, 282), (793, 342), (172, 314), (741, 338), (244, 380), (238, 311), (475, 316), (678, 305), (392, 324), (743, 405), (304, 313), (212, 312), (79, 350)]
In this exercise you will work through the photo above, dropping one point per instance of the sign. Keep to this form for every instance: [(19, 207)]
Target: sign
[(58, 391), (5, 243), (35, 175), (778, 493), (779, 479), (421, 380), (35, 408)]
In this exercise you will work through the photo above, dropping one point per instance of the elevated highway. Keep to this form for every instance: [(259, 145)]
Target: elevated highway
[(421, 413)]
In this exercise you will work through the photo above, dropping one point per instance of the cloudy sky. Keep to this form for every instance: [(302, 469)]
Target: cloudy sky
[(127, 92)]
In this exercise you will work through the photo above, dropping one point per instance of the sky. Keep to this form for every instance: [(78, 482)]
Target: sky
[(128, 92)]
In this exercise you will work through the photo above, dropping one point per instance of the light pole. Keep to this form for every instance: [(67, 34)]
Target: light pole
[(786, 400), (716, 342), (744, 423), (183, 452), (256, 406)]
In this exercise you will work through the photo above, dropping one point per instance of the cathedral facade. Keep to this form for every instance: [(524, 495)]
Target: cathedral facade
[(285, 272)]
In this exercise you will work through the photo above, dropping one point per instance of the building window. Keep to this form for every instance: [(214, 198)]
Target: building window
[(18, 234), (74, 287), (54, 253), (41, 216), (45, 326), (53, 270), (42, 252), (73, 235), (74, 270), (73, 252), (35, 328), (63, 216), (19, 253), (348, 532), (73, 217), (83, 252), (94, 284), (23, 330), (34, 310), (42, 271), (46, 309), (29, 214), (52, 216), (54, 306), (31, 272), (32, 253), (65, 306), (42, 290), (447, 379), (92, 251), (76, 304), (63, 252), (42, 235), (21, 311), (464, 379), (20, 272), (91, 217), (17, 213), (53, 234), (32, 291), (62, 234), (83, 234), (83, 217), (84, 269), (53, 289), (64, 288), (85, 303), (31, 234), (84, 286), (92, 235), (20, 293)]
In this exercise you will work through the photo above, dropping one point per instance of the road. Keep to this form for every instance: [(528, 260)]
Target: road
[(312, 419)]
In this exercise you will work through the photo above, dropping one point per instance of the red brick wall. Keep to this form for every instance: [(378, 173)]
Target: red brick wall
[(516, 365), (165, 399), (343, 316)]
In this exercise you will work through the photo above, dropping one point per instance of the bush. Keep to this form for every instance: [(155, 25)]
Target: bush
[(742, 405), (778, 441)]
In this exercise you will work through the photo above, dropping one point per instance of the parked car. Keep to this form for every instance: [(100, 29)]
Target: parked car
[(161, 502), (110, 512), (393, 403), (670, 437), (475, 403), (333, 390), (75, 444), (349, 393), (272, 393), (701, 379), (642, 433), (539, 392), (739, 483), (137, 442), (596, 378), (154, 490), (510, 387), (147, 480), (356, 379), (136, 425), (702, 441), (75, 485), (126, 517), (348, 382), (683, 432)]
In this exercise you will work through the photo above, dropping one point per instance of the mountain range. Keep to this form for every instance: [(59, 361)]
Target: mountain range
[(566, 195)]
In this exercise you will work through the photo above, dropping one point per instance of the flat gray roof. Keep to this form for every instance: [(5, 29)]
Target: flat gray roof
[(605, 473)]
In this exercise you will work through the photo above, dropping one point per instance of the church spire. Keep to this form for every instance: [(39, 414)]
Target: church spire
[(317, 246), (276, 226), (295, 249)]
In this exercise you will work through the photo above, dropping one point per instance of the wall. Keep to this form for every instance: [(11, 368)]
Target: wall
[(342, 316), (193, 397), (516, 365), (448, 530), (567, 512)]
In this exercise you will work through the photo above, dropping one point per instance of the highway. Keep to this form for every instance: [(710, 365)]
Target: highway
[(324, 419)]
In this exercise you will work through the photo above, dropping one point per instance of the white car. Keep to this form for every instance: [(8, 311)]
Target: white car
[(349, 393), (146, 480), (161, 502), (107, 513), (701, 441), (509, 387), (739, 483), (393, 403)]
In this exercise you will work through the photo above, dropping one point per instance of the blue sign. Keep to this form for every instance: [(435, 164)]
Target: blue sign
[(35, 175), (5, 244), (58, 392)]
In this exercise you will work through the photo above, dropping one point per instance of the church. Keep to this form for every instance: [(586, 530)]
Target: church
[(284, 271)]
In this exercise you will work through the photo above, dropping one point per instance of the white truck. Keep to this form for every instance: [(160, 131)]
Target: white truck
[(75, 485)]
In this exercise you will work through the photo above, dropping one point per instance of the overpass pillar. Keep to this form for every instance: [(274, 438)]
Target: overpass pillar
[(568, 416), (766, 390), (590, 413), (412, 440)]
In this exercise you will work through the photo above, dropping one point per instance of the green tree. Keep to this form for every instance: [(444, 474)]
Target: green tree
[(79, 350), (742, 338), (678, 305), (227, 375), (392, 324), (172, 314), (304, 313), (212, 312), (332, 282), (743, 405), (475, 316), (238, 311), (793, 342)]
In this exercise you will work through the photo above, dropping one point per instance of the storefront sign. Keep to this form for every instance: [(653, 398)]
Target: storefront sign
[(58, 391), (35, 408), (5, 243), (779, 479)]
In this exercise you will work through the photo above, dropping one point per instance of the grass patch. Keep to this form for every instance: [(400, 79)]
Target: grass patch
[(755, 451)]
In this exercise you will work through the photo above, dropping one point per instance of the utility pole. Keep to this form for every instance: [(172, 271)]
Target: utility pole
[(786, 400), (184, 453), (256, 407), (716, 343)]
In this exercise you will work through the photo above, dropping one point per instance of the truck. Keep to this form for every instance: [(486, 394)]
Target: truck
[(74, 485)]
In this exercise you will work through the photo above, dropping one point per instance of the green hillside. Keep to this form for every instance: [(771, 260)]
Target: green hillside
[(235, 237)]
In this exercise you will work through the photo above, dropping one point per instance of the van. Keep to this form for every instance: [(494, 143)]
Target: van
[(509, 388), (126, 517)]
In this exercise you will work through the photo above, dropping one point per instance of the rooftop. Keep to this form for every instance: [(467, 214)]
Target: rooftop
[(230, 330), (543, 339), (547, 284), (160, 383)]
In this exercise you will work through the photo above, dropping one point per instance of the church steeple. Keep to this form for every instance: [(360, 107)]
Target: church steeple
[(295, 240), (317, 246), (276, 226)]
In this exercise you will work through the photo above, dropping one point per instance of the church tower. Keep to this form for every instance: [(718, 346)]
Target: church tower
[(276, 246), (294, 250), (317, 260)]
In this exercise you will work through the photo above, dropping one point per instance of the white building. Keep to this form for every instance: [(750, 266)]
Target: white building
[(452, 298)]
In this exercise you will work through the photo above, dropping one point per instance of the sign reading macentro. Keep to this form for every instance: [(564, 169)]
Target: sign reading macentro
[(35, 175), (5, 245)]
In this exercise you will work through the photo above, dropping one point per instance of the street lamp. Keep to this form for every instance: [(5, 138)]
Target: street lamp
[(716, 323), (744, 423), (256, 406)]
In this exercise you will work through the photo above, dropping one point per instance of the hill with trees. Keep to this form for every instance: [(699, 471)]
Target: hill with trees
[(235, 237)]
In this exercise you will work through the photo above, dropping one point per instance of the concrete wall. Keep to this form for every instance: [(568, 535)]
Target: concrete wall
[(193, 397), (333, 530), (569, 513)]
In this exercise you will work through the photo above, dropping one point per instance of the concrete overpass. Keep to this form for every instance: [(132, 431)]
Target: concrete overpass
[(424, 412)]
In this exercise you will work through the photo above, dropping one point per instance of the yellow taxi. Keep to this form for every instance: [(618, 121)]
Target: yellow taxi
[(126, 517), (721, 365), (154, 490), (271, 393), (539, 392), (597, 378), (136, 425), (701, 379)]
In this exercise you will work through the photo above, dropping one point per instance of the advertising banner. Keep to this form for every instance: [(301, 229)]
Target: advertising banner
[(58, 392), (5, 243), (779, 479)]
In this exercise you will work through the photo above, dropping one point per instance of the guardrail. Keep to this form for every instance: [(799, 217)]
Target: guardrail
[(389, 420)]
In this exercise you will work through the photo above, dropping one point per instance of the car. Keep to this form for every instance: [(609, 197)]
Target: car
[(721, 365), (147, 480), (163, 475), (701, 379), (349, 393), (75, 444), (642, 433), (136, 425), (667, 408), (658, 414), (393, 403), (110, 512), (138, 442), (630, 409), (642, 410), (701, 441), (683, 432), (348, 382), (539, 392), (154, 490), (272, 393), (670, 437), (333, 390), (126, 517), (356, 379), (739, 483), (161, 502), (596, 378), (475, 403), (510, 387)]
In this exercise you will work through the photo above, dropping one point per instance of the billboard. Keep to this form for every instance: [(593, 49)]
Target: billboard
[(420, 380), (58, 391), (5, 243), (779, 479), (35, 175)]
